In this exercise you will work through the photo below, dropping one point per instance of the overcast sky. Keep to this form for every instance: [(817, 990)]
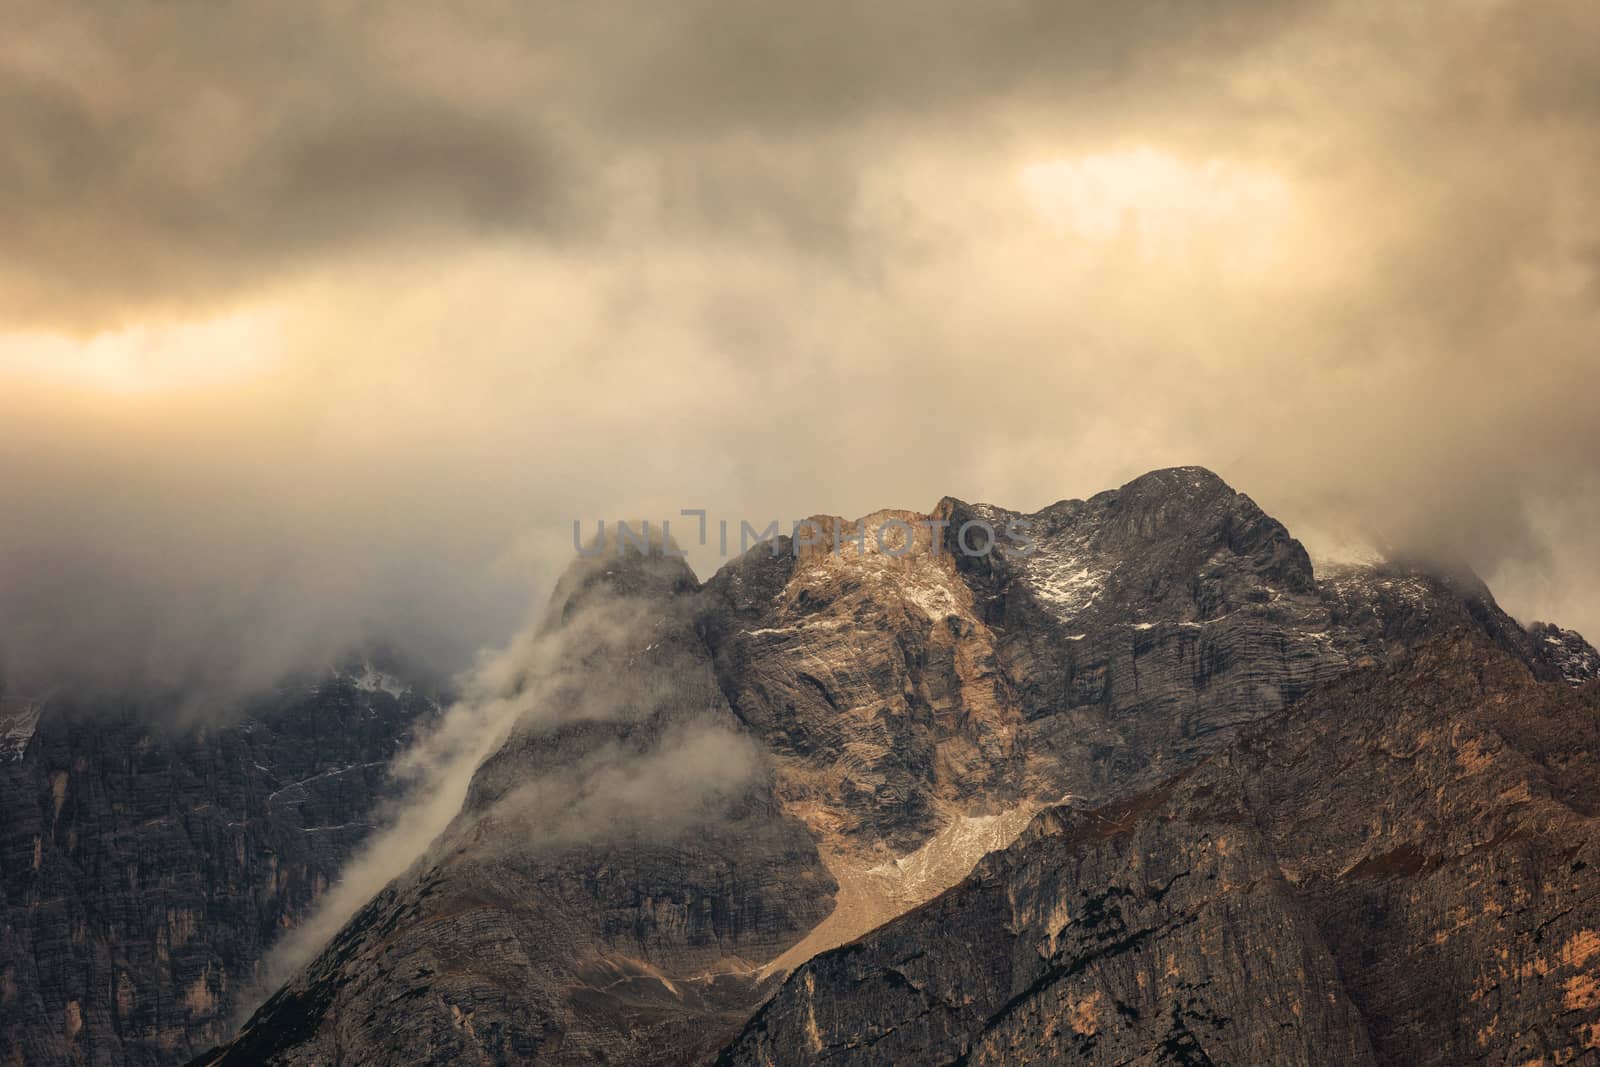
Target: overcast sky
[(319, 320)]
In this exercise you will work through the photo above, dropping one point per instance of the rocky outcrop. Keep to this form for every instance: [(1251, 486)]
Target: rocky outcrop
[(18, 720), (145, 869), (1573, 658), (879, 712), (872, 680), (1400, 870)]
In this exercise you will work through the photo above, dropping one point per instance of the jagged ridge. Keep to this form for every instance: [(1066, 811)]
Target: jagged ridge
[(890, 698)]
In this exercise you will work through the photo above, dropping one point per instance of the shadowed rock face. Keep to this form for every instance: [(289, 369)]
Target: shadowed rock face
[(1400, 870), (864, 724), (146, 870), (1574, 658), (1158, 619), (1165, 939), (1439, 820), (618, 876)]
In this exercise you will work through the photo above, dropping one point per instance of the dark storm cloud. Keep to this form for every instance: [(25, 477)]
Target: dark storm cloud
[(777, 69), (170, 153)]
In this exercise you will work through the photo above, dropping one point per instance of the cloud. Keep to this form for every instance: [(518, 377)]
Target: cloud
[(163, 156), (775, 70), (519, 264)]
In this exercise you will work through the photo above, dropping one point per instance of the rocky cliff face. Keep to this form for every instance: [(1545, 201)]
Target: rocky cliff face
[(1399, 870), (146, 869), (866, 719), (1573, 658), (919, 702)]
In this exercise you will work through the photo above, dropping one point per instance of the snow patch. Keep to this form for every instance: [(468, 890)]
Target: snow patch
[(17, 727), (1064, 586), (935, 600), (373, 680), (1577, 661)]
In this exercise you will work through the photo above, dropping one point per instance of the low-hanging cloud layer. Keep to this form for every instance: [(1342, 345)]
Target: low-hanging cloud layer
[(322, 322)]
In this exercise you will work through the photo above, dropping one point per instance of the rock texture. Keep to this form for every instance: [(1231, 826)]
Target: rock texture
[(866, 717), (1401, 870), (1573, 658), (145, 870), (905, 690), (618, 876)]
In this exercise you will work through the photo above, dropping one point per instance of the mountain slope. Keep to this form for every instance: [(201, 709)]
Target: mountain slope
[(146, 869), (1397, 871)]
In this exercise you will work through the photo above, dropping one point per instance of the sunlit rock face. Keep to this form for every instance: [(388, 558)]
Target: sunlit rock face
[(147, 868), (919, 702), (872, 681), (1397, 870), (709, 785)]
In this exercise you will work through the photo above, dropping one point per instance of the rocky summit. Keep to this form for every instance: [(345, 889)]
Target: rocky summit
[(1156, 791)]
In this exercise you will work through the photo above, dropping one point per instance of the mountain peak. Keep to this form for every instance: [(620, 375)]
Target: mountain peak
[(1188, 478), (628, 560)]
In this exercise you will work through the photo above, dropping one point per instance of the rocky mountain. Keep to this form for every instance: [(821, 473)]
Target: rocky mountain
[(707, 785), (1398, 870), (619, 871), (147, 866)]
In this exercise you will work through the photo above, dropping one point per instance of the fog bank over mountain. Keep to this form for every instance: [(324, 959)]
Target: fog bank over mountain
[(326, 328)]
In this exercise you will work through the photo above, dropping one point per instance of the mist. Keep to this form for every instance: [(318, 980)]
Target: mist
[(617, 654), (304, 347)]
